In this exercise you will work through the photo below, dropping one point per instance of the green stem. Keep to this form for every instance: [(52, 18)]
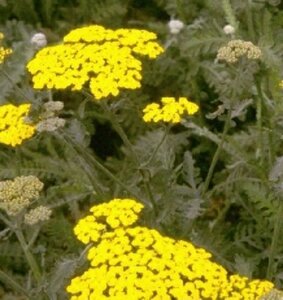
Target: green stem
[(30, 258), (116, 125), (259, 120), (274, 242), (10, 281), (217, 152)]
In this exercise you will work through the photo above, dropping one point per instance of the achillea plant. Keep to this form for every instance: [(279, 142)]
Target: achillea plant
[(171, 110), (105, 58), (134, 262), (13, 128)]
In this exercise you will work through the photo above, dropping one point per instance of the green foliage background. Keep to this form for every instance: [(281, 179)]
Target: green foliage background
[(238, 217)]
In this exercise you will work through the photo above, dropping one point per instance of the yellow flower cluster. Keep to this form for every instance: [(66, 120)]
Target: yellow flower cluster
[(17, 194), (171, 111), (135, 262), (13, 129), (4, 51), (103, 57), (235, 49)]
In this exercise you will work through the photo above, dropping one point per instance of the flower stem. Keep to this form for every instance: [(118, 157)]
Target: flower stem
[(10, 281), (217, 152), (30, 258), (116, 125), (259, 120)]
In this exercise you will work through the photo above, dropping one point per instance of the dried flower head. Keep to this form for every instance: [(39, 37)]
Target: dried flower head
[(38, 214), (171, 110), (50, 124), (236, 49), (3, 51), (133, 262), (13, 128), (39, 40), (53, 106), (17, 194), (175, 26), (105, 58)]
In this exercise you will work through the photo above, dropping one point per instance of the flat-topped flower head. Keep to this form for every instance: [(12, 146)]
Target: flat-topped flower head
[(235, 49), (132, 262), (17, 194), (3, 51), (170, 110), (108, 60), (38, 214), (13, 128)]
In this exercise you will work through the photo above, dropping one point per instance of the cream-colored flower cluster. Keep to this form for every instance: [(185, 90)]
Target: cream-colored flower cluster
[(103, 57), (130, 262), (13, 128), (236, 49), (3, 51), (171, 110), (17, 194), (38, 214)]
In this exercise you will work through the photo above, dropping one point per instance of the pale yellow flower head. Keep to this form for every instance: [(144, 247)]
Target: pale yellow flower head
[(107, 60), (236, 49), (131, 262), (17, 194), (38, 214), (3, 51), (170, 110), (13, 129)]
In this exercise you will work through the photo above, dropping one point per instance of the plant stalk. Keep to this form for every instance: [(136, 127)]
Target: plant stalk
[(30, 258), (217, 152)]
